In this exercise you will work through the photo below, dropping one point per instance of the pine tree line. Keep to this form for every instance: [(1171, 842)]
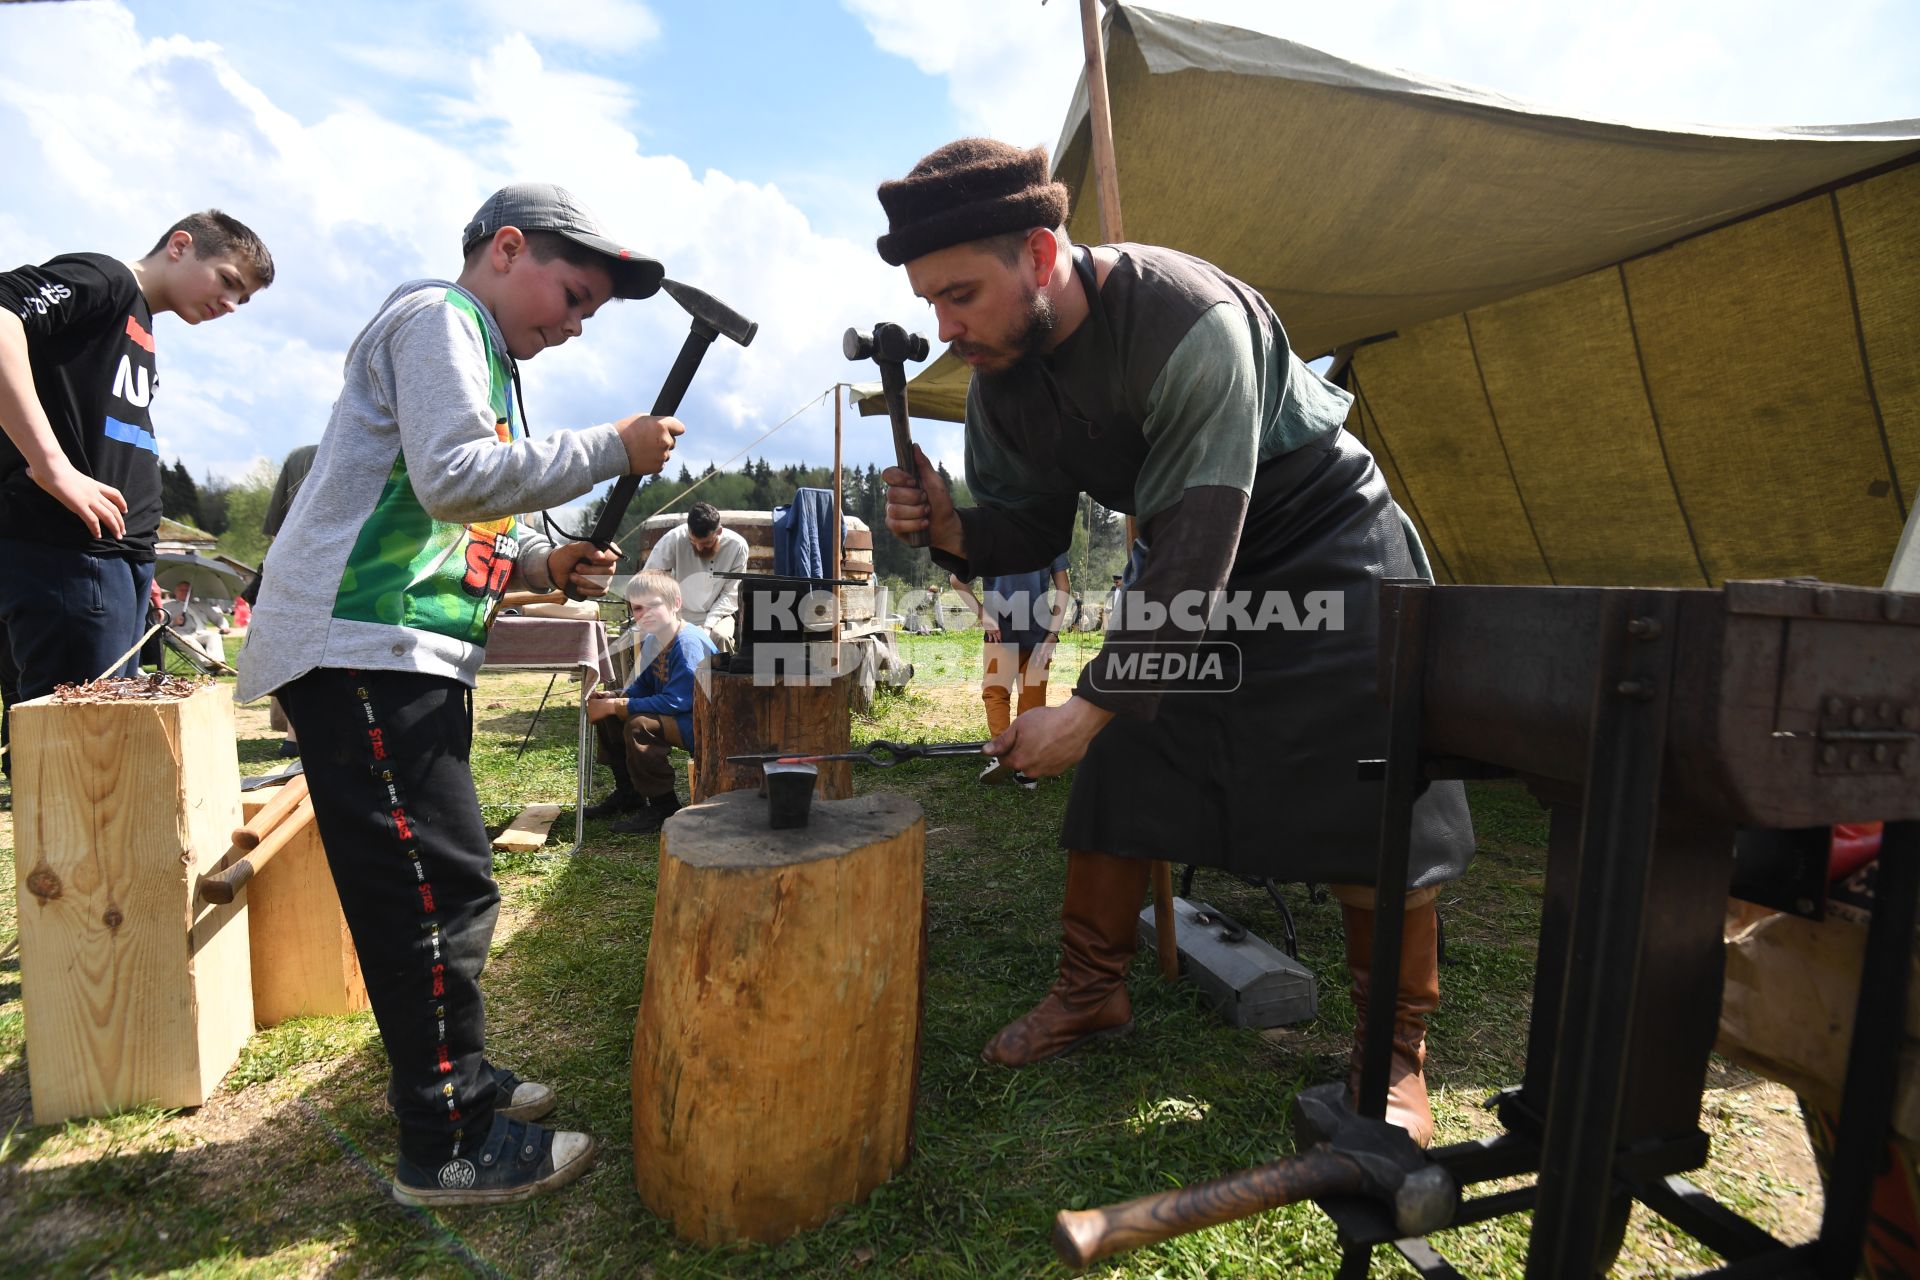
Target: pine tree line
[(232, 510)]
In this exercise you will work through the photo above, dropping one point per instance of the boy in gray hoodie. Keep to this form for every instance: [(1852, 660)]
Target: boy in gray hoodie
[(372, 623)]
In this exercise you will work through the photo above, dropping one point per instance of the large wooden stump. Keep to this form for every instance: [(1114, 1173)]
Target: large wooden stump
[(304, 964), (135, 990), (778, 1045), (739, 714)]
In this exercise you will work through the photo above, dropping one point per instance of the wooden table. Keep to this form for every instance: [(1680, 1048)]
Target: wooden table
[(575, 646)]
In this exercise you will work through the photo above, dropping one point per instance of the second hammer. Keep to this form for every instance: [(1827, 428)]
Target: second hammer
[(890, 346)]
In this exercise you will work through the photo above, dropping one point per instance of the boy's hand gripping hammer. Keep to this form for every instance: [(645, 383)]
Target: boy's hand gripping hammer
[(712, 318), (890, 347)]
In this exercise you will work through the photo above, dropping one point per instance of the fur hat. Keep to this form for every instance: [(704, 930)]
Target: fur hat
[(968, 190)]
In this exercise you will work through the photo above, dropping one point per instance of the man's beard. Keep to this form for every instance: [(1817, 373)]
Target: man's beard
[(1026, 341)]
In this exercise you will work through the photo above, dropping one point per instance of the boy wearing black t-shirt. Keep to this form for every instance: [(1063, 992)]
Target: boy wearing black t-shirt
[(79, 467)]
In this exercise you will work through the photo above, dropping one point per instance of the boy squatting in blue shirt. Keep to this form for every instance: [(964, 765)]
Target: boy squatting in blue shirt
[(636, 728)]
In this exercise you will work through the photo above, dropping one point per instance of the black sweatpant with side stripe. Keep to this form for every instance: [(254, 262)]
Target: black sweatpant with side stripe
[(386, 759)]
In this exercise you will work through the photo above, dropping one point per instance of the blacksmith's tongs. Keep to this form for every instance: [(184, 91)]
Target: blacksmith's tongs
[(884, 754)]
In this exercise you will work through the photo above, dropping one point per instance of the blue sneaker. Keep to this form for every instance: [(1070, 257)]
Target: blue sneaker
[(520, 1099), (997, 774), (518, 1161)]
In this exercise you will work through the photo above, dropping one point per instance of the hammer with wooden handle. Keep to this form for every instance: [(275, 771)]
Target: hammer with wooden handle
[(521, 599), (890, 346), (712, 319), (221, 886)]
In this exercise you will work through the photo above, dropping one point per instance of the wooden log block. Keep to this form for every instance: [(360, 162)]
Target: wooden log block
[(737, 714), (135, 991), (778, 1044), (754, 526), (304, 964)]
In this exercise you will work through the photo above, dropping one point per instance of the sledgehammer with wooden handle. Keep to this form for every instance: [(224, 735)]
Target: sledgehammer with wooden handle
[(1356, 1155), (222, 886), (283, 803)]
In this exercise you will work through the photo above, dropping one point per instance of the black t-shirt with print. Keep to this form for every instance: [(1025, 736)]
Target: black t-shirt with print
[(90, 344)]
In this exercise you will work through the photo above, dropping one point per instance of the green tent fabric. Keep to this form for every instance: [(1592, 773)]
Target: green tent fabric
[(1583, 352), (1742, 404)]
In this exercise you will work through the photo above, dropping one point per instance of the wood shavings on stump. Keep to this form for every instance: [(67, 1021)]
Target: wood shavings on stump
[(148, 688)]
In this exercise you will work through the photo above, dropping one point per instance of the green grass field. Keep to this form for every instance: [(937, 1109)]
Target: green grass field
[(284, 1171)]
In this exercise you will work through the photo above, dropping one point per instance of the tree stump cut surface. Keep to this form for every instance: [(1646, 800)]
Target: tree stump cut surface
[(778, 1044), (135, 991), (734, 716)]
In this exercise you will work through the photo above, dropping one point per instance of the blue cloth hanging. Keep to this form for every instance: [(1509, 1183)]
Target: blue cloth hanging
[(803, 535)]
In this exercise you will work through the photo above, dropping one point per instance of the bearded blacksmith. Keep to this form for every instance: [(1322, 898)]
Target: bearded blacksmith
[(1165, 389)]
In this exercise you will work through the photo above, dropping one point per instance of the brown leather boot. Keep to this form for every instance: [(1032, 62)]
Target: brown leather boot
[(1418, 996), (1098, 922)]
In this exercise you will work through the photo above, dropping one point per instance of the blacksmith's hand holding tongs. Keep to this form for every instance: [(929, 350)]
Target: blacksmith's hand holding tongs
[(881, 753)]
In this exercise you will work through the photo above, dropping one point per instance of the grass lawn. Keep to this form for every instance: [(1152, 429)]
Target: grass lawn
[(284, 1171)]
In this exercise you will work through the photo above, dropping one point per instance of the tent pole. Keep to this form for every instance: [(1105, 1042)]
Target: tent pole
[(1106, 177), (839, 519)]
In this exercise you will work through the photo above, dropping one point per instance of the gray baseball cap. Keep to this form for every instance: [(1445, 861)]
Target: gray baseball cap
[(541, 206)]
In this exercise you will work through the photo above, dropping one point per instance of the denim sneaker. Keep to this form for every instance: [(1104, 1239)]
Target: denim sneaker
[(518, 1160), (520, 1099)]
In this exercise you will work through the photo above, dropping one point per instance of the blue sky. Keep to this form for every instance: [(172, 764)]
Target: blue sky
[(738, 140)]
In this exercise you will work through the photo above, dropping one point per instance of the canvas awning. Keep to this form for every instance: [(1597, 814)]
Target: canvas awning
[(1585, 351)]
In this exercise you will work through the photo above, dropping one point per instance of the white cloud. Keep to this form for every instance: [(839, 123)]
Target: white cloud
[(1011, 64), (619, 26), (354, 203)]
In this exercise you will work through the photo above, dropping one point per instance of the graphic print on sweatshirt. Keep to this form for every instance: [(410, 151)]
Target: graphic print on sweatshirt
[(90, 347), (408, 569)]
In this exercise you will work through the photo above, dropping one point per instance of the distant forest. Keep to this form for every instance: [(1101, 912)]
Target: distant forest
[(1098, 549), (232, 510)]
